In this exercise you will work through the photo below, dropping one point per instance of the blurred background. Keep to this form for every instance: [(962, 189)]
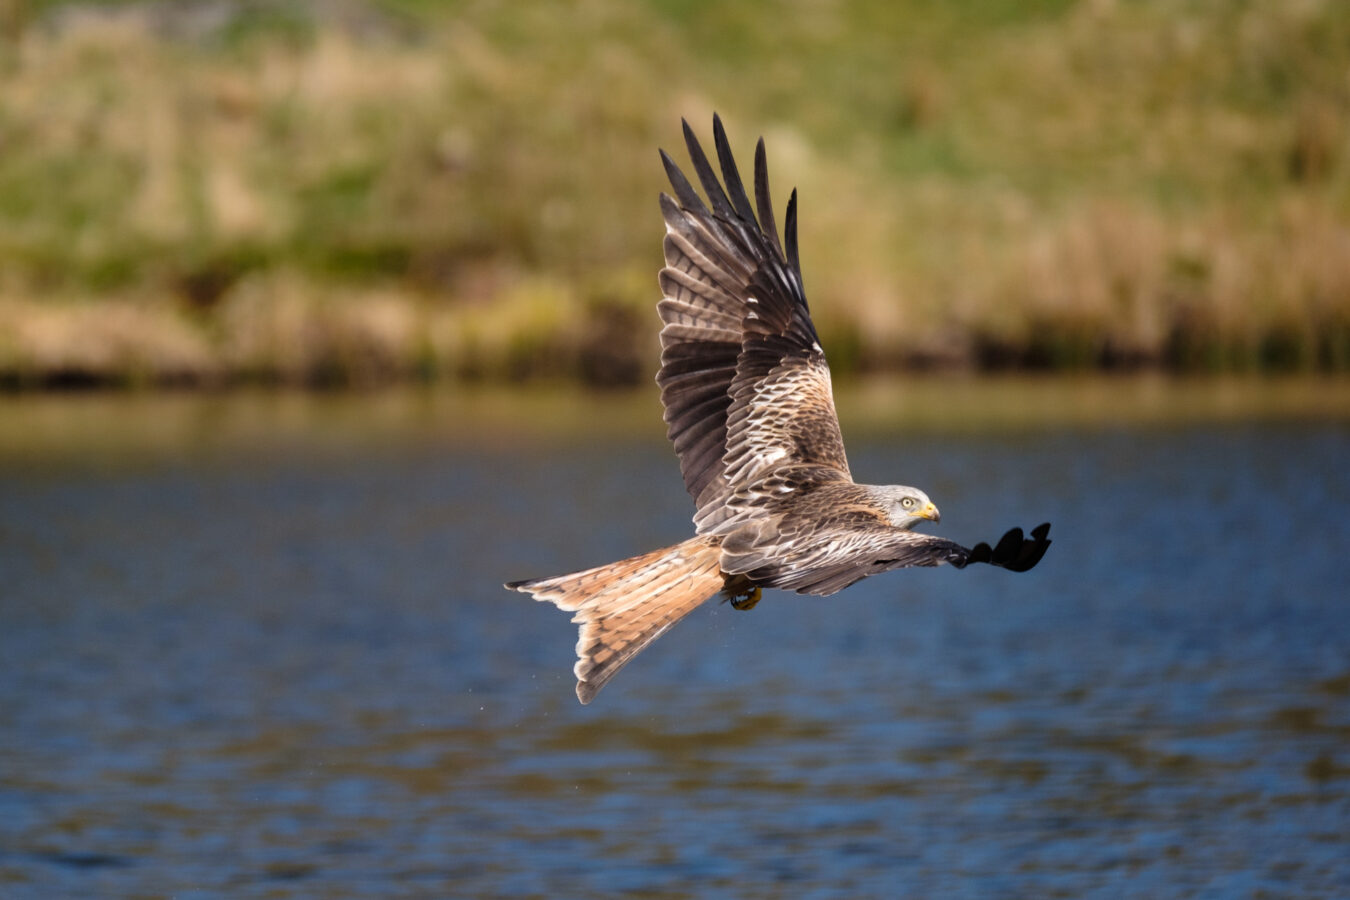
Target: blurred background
[(304, 312), (357, 192)]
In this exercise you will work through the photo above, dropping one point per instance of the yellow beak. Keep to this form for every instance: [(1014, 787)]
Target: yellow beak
[(930, 512)]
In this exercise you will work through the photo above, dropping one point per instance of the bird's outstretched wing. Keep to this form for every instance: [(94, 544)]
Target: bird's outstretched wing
[(743, 378), (845, 552)]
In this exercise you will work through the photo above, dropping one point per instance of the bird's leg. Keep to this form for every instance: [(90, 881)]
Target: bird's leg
[(747, 600), (741, 592)]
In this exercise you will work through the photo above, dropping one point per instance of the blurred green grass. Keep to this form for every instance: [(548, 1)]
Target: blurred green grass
[(346, 192)]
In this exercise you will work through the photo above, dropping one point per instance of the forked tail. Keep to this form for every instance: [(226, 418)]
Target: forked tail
[(624, 606)]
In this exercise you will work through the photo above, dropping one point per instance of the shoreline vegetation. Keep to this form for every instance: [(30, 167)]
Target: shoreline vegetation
[(46, 428), (347, 193)]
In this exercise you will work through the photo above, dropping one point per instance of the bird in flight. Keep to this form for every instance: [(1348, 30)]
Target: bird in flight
[(749, 408)]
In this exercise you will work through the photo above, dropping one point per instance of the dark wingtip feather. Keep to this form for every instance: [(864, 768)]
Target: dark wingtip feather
[(706, 176), (1015, 551), (1034, 549), (1008, 546), (1018, 554), (689, 197), (731, 175), (762, 199), (790, 233)]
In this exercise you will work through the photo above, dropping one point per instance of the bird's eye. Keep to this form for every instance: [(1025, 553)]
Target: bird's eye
[(907, 503)]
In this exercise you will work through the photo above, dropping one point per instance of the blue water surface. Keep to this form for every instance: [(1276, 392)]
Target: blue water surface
[(296, 674)]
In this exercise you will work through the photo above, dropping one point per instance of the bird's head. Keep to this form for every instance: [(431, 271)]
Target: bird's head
[(908, 506)]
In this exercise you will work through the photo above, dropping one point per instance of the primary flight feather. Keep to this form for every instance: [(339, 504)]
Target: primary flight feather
[(749, 408)]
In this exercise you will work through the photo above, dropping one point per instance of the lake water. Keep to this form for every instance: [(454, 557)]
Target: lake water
[(257, 646)]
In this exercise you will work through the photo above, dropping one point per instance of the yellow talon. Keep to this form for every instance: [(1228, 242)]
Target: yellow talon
[(745, 600)]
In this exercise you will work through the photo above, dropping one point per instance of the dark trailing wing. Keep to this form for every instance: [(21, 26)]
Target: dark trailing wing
[(1014, 551)]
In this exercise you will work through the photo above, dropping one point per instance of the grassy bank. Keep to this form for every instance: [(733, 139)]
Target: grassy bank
[(355, 193)]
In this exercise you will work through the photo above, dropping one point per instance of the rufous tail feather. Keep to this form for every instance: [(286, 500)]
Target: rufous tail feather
[(624, 606)]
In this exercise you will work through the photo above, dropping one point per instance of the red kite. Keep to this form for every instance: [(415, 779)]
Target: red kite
[(748, 405)]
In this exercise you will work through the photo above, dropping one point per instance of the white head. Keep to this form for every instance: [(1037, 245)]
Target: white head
[(906, 506)]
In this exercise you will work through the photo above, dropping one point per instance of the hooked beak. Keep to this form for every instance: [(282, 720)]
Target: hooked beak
[(930, 511)]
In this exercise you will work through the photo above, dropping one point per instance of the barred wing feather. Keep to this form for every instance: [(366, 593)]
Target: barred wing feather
[(744, 381)]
